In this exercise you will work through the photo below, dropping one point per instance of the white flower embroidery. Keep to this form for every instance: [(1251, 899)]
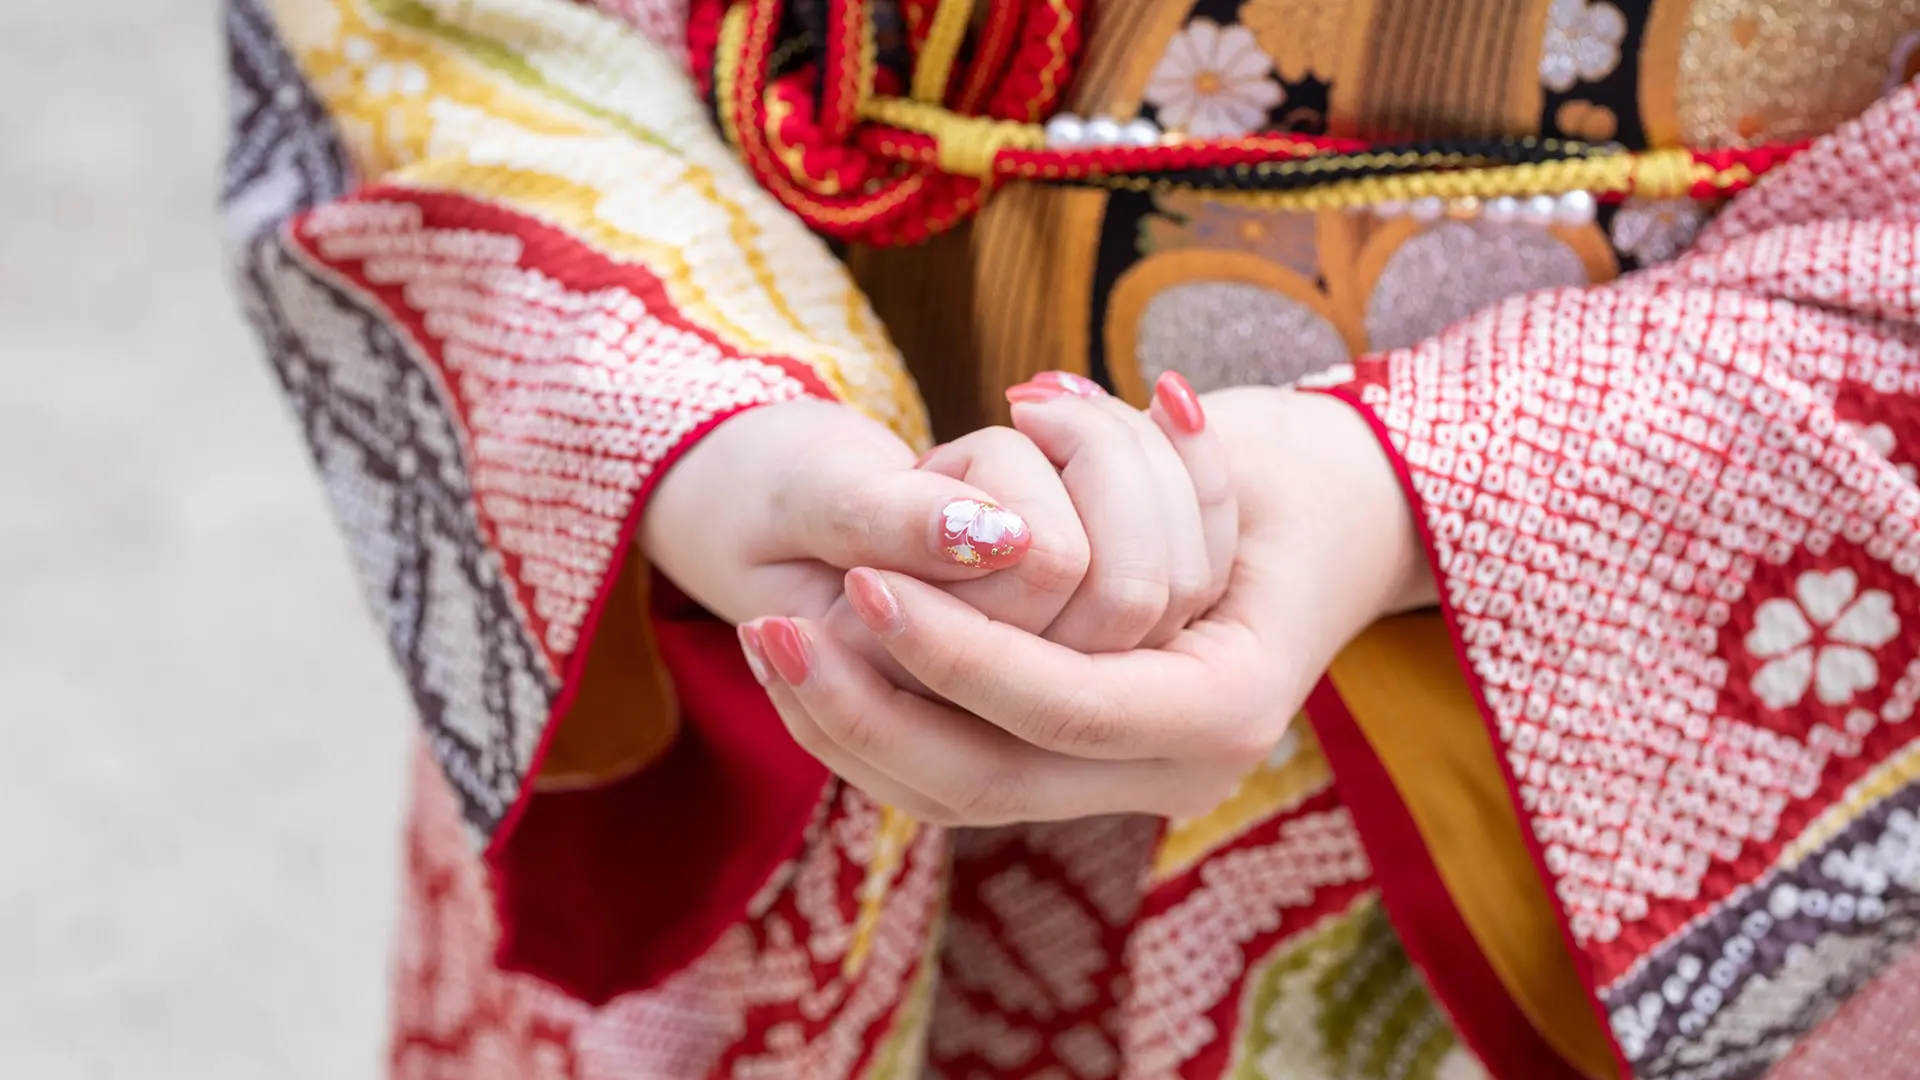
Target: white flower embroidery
[(1582, 42), (1881, 440), (1821, 640), (1212, 81), (1654, 231)]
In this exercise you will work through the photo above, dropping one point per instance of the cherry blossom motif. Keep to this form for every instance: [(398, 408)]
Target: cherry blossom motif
[(1212, 81), (1821, 639), (975, 533), (1582, 43), (1881, 440)]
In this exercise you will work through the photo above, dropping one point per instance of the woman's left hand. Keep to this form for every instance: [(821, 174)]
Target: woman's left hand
[(1327, 546)]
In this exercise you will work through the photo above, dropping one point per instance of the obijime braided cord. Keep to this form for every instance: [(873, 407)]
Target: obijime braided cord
[(822, 126)]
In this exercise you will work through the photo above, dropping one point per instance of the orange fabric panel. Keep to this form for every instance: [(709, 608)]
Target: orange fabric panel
[(1404, 688), (625, 715)]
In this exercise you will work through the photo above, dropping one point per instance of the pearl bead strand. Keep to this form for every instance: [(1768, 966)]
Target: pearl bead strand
[(1570, 209), (1065, 131)]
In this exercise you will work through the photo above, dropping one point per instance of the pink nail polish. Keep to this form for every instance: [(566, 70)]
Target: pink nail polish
[(1077, 385), (756, 658), (1176, 396), (786, 648), (1034, 392), (875, 602), (980, 534)]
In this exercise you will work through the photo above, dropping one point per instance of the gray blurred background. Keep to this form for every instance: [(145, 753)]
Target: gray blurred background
[(201, 745)]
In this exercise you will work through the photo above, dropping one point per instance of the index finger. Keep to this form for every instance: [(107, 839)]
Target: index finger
[(1151, 703)]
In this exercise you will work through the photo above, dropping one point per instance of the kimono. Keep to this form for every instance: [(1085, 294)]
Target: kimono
[(1640, 800)]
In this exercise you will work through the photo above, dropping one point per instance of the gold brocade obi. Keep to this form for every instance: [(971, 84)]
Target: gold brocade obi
[(1127, 285)]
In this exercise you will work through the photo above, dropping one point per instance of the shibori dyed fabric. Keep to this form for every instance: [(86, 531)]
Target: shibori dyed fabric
[(1639, 802)]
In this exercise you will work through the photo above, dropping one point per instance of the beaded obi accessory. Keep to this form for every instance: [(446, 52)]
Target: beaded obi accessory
[(886, 124)]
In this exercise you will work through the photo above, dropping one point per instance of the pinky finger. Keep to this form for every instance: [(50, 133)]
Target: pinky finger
[(1177, 411), (807, 732)]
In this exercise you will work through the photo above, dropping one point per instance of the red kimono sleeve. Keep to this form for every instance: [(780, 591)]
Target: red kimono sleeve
[(1676, 530)]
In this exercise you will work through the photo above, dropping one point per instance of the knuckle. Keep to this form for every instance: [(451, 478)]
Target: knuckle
[(850, 519), (944, 667), (1188, 589), (1211, 487), (1057, 567), (996, 796), (855, 732), (998, 440), (1248, 742), (1132, 600), (1086, 721)]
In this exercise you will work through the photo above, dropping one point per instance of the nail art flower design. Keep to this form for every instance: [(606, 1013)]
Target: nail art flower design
[(975, 533), (1823, 638)]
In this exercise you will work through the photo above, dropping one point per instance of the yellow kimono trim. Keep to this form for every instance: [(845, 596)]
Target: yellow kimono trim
[(1404, 689)]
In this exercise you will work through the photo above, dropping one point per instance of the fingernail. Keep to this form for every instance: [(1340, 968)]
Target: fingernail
[(980, 534), (875, 603), (1077, 385), (1176, 396), (1034, 392), (750, 646), (786, 649)]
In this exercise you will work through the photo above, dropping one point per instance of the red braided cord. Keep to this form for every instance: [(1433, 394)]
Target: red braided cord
[(1036, 77), (918, 16), (1082, 162), (808, 155), (992, 52), (848, 81)]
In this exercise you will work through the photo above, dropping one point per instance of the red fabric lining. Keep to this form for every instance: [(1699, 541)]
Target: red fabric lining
[(1372, 801), (577, 878)]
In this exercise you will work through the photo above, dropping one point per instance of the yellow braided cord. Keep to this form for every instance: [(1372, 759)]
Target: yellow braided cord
[(726, 70), (1663, 174), (964, 145), (1616, 175), (869, 62), (933, 68)]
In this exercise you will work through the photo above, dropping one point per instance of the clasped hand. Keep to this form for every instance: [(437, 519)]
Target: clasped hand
[(1098, 610)]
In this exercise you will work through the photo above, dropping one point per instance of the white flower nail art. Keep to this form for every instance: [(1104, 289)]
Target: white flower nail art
[(975, 533)]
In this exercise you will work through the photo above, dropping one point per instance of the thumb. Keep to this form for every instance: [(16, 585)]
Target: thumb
[(910, 521)]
